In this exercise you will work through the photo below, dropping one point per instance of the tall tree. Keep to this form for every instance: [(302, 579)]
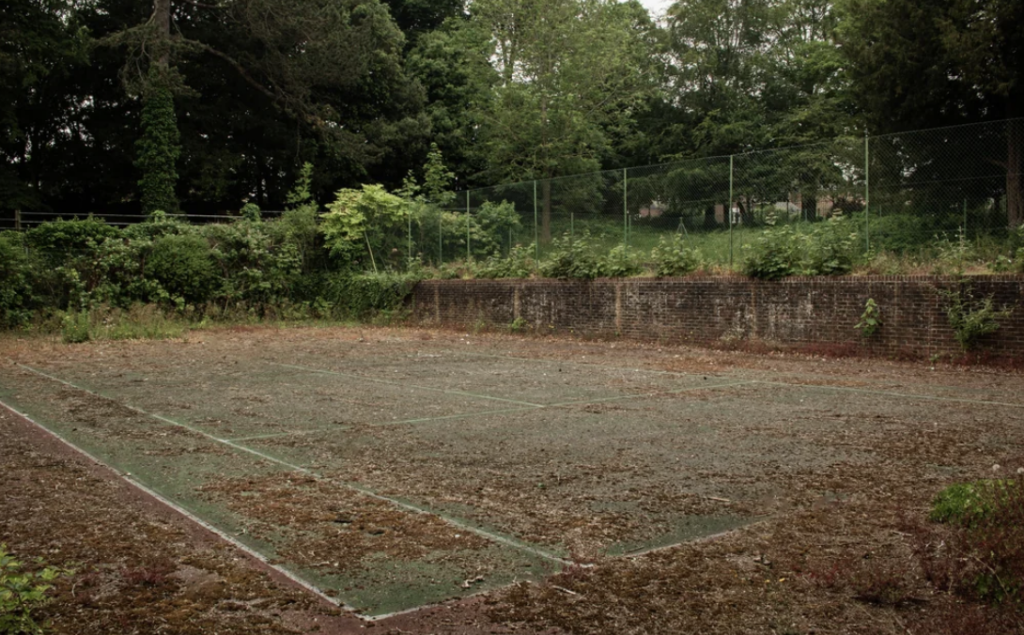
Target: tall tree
[(569, 70), (39, 42), (928, 63)]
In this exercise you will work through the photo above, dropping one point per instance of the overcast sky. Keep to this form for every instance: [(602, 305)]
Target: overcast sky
[(656, 8)]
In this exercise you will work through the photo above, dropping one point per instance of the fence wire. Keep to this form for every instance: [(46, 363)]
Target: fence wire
[(905, 194)]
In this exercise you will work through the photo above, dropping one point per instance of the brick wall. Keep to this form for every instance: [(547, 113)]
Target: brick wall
[(722, 309)]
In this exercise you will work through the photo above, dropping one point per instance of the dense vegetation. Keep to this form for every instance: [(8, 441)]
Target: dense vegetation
[(128, 106)]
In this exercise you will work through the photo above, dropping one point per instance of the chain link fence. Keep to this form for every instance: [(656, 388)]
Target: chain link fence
[(906, 194)]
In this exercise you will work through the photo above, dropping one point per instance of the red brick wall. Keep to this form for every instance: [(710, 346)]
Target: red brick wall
[(720, 309)]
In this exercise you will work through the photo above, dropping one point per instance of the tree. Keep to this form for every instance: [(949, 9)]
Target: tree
[(38, 43), (569, 71), (158, 147), (928, 63)]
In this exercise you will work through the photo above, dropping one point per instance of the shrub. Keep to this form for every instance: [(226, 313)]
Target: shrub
[(369, 295), (518, 264), (16, 281), (572, 258), (672, 257), (365, 226), (619, 263), (183, 265), (985, 554), (60, 238), (829, 248), (774, 255), (971, 318), (22, 593)]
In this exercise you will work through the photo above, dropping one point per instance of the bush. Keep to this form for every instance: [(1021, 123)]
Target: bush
[(985, 554), (672, 257), (16, 278), (619, 263), (183, 265), (369, 295), (970, 318), (22, 593), (829, 248), (518, 264), (774, 255), (572, 258), (60, 238)]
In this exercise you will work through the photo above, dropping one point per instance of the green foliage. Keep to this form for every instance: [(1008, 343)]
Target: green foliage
[(22, 593), (986, 546), (60, 238), (779, 252), (870, 319), (74, 327), (963, 503), (158, 147), (673, 258), (829, 248), (774, 255), (183, 265), (366, 226), (970, 317), (620, 263), (367, 296), (518, 264), (17, 271), (572, 258)]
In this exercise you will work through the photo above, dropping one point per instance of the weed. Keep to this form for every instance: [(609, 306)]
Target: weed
[(870, 319), (673, 258), (518, 325), (971, 318), (74, 328), (22, 593)]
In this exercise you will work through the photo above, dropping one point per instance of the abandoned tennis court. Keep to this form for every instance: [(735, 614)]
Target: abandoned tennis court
[(400, 470)]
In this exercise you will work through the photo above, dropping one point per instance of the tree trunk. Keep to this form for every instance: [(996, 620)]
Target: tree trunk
[(162, 21)]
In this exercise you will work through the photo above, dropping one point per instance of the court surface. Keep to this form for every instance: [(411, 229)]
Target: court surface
[(394, 468)]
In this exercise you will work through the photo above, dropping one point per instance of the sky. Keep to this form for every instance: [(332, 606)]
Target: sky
[(656, 7)]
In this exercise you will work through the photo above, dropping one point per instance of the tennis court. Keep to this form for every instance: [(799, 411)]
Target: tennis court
[(394, 469)]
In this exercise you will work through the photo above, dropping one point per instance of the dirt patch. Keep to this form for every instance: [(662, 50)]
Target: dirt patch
[(334, 527)]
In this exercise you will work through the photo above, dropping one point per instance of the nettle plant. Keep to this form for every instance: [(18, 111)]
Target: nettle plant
[(870, 319), (22, 593)]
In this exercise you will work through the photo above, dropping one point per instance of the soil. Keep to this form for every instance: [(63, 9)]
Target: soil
[(821, 489)]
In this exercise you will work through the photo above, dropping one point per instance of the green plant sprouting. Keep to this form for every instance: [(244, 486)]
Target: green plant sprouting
[(870, 319)]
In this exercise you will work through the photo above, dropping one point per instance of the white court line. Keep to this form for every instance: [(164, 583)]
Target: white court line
[(276, 435), (483, 533), (407, 385), (887, 393)]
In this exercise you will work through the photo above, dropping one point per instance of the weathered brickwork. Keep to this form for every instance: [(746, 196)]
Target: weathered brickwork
[(722, 309)]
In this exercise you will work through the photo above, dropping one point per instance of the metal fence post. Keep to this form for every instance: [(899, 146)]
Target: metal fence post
[(469, 252), (625, 209), (728, 208), (867, 194), (440, 236), (409, 250), (17, 220), (536, 235)]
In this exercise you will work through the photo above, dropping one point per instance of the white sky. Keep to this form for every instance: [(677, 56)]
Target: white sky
[(656, 8)]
